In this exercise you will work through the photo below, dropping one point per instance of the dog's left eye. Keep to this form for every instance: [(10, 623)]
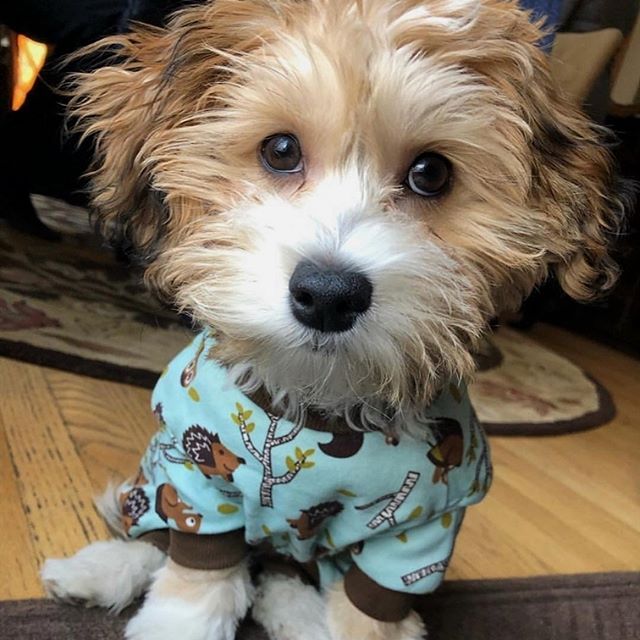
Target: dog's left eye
[(281, 153), (429, 175)]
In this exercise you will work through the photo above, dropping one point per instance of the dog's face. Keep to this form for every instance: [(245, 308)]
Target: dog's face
[(347, 190)]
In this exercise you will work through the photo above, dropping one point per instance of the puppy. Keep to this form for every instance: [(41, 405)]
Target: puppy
[(341, 193)]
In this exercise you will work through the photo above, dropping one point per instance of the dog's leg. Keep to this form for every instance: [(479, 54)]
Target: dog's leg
[(289, 609), (346, 622), (107, 574), (190, 604)]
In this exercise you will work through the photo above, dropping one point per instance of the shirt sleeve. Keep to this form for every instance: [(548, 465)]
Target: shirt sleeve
[(413, 560), (171, 492)]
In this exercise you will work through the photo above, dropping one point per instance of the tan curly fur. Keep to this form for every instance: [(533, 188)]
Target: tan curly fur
[(366, 85)]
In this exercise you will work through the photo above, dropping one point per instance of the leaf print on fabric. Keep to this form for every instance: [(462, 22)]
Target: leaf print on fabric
[(264, 457), (228, 509), (416, 513)]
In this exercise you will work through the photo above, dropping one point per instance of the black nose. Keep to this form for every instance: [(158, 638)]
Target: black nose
[(328, 300)]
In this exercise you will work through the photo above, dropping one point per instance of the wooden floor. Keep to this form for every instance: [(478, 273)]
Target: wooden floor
[(558, 505)]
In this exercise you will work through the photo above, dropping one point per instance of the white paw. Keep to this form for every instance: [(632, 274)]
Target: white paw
[(186, 604), (289, 609), (346, 622), (107, 574), (177, 619)]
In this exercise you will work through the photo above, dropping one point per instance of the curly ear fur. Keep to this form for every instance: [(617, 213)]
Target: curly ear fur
[(118, 107), (573, 182), (145, 89), (574, 178)]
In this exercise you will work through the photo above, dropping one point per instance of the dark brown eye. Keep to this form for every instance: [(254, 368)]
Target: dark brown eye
[(281, 153), (429, 175)]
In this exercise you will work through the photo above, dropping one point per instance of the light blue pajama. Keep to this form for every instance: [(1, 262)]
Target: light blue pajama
[(220, 463)]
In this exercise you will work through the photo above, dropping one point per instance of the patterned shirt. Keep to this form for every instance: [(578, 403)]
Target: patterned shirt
[(220, 463)]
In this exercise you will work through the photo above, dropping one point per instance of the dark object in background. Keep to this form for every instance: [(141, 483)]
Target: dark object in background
[(581, 16), (6, 71), (36, 156), (550, 11), (615, 319)]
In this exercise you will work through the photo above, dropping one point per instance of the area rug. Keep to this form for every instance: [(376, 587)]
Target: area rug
[(582, 607), (72, 306), (533, 391)]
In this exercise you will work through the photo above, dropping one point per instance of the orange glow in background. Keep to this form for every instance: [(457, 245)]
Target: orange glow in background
[(29, 61)]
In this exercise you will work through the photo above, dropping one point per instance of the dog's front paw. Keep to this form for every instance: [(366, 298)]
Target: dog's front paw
[(179, 619), (346, 622), (186, 604), (278, 600), (108, 574)]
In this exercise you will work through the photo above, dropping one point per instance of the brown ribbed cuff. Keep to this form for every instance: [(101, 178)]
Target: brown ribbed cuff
[(158, 538), (207, 552), (375, 601)]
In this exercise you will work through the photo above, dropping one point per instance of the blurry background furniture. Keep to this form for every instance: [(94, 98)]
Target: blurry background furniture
[(625, 94), (579, 59), (586, 47)]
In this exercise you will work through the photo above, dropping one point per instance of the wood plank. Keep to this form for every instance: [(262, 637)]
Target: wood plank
[(54, 487), (109, 423), (17, 554), (568, 503)]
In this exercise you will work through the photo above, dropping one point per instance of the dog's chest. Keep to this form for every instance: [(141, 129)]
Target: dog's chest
[(313, 492)]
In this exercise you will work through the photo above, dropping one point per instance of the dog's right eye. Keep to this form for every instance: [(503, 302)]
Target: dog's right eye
[(281, 153)]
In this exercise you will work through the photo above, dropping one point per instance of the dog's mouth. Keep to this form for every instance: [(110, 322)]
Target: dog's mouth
[(323, 343)]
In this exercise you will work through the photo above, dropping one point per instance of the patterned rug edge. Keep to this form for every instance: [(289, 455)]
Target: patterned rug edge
[(76, 364), (604, 414)]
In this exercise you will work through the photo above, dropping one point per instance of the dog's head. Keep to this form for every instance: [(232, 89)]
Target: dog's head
[(347, 190)]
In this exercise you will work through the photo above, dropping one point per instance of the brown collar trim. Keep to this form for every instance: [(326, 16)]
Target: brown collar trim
[(314, 420)]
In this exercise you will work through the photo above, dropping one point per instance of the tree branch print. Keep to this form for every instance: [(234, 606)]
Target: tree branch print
[(264, 457)]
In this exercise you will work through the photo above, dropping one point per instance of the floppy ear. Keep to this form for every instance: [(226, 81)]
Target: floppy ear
[(574, 178), (149, 82), (576, 200), (118, 107)]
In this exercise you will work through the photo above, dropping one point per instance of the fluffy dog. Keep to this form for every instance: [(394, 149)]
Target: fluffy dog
[(343, 193)]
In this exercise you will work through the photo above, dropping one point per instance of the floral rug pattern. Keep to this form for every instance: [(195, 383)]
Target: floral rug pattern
[(70, 305)]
